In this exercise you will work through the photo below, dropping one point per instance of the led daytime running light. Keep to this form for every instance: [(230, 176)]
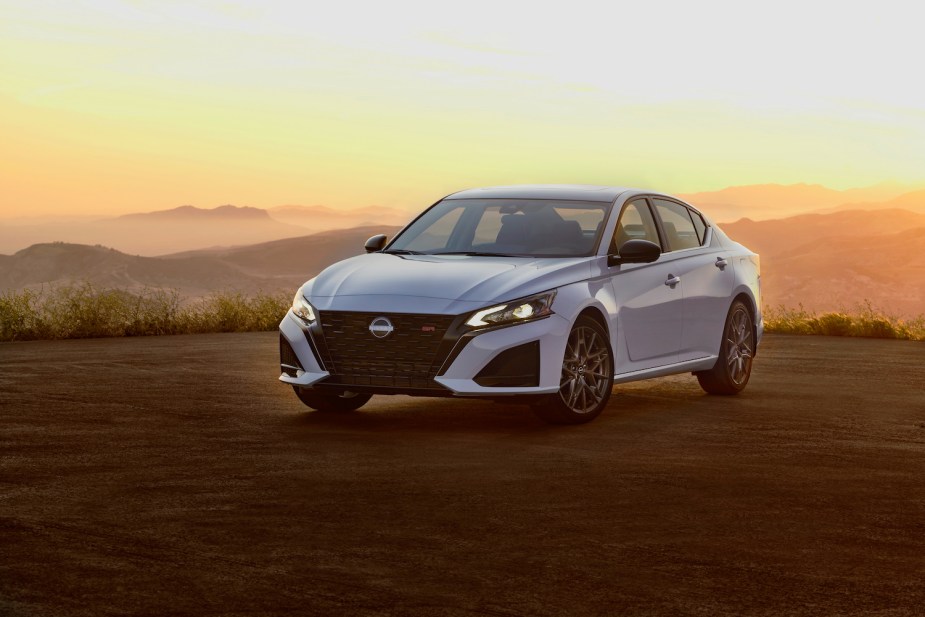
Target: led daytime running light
[(302, 309), (513, 312), (478, 320)]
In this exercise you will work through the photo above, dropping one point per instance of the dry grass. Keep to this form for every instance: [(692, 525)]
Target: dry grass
[(864, 320), (84, 311)]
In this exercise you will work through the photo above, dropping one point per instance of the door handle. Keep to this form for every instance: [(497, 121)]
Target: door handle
[(721, 263), (672, 280)]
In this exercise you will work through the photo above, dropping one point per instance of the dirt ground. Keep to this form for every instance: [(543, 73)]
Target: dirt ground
[(176, 476)]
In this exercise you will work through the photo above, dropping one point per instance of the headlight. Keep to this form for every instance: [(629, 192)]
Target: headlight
[(513, 312), (302, 309)]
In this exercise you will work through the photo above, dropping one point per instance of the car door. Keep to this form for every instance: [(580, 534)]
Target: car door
[(649, 317), (706, 274)]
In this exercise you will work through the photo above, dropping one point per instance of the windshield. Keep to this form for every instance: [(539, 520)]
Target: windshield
[(516, 227)]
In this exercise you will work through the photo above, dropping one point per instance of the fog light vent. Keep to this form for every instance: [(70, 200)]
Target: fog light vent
[(517, 367), (288, 361)]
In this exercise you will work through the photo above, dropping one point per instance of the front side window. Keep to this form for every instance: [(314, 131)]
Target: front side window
[(636, 223), (519, 227), (679, 228)]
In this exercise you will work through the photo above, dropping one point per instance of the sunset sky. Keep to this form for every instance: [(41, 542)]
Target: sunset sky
[(109, 107)]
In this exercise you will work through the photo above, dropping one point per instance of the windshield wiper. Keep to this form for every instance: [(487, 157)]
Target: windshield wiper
[(478, 254), (403, 252)]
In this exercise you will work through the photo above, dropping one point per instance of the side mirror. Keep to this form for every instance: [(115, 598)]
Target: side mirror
[(635, 252), (376, 243)]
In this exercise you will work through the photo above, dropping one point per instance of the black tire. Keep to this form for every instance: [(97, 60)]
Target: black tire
[(733, 367), (326, 401), (587, 377)]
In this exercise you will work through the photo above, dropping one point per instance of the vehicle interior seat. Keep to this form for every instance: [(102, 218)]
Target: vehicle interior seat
[(514, 230), (570, 235), (671, 234)]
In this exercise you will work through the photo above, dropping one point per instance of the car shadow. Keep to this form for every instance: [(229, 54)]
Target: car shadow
[(408, 414), (663, 398)]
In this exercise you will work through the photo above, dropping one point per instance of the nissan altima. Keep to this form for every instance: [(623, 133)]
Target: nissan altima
[(541, 294)]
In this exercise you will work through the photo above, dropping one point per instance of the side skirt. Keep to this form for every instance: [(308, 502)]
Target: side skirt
[(699, 364)]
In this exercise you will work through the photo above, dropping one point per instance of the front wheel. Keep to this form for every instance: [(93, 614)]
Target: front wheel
[(734, 365), (327, 401), (587, 377)]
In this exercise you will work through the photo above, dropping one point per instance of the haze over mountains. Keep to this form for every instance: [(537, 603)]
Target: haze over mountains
[(280, 265), (772, 201), (322, 218), (841, 254), (190, 228), (840, 260)]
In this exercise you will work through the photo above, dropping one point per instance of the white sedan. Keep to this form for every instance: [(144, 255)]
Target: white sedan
[(543, 294)]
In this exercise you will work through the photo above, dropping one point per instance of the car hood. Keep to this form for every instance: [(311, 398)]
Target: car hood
[(442, 284)]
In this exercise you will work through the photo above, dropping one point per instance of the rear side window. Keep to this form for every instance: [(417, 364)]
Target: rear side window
[(699, 225), (679, 228)]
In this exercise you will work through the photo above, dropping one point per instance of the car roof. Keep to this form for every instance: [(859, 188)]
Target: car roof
[(578, 192)]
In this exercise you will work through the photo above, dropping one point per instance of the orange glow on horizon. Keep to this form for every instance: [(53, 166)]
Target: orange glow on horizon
[(119, 107)]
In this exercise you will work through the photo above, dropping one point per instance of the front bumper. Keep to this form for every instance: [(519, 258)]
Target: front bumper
[(467, 360)]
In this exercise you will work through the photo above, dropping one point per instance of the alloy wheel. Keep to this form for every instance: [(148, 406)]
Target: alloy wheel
[(586, 370), (740, 345)]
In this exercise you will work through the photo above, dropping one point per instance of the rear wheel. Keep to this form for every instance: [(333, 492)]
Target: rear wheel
[(327, 401), (734, 366), (587, 377)]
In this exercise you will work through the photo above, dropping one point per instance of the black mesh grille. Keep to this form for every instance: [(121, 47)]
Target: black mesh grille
[(287, 357), (409, 357)]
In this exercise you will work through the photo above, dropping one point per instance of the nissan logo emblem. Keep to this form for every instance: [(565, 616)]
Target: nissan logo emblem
[(381, 327)]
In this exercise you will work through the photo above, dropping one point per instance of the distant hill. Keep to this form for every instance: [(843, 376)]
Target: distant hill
[(768, 201), (192, 213), (913, 201), (837, 260), (778, 235), (55, 264), (188, 227), (293, 257), (888, 270), (153, 233), (280, 265), (320, 218)]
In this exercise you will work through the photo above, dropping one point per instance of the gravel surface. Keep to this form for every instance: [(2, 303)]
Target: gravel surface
[(176, 476)]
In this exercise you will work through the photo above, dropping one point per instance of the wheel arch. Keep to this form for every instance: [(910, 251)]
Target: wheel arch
[(597, 315)]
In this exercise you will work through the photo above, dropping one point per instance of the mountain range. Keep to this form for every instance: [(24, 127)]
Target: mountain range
[(772, 201), (322, 218), (189, 228), (840, 260), (841, 254), (280, 265)]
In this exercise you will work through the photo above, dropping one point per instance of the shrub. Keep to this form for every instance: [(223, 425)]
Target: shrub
[(82, 311), (235, 312), (19, 316), (864, 321)]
